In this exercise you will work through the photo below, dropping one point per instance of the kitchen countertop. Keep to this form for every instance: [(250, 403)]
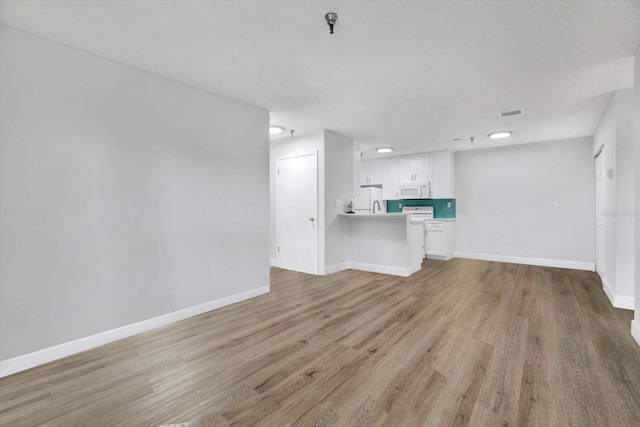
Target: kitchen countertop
[(377, 215), (390, 215)]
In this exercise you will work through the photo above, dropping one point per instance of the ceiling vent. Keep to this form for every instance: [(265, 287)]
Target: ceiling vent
[(511, 113)]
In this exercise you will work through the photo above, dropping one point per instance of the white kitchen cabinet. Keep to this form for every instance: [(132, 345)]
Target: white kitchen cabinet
[(423, 167), (406, 169), (439, 239), (390, 178), (414, 168), (436, 169), (371, 172), (442, 175)]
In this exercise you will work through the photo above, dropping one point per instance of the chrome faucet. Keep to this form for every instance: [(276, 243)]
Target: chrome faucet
[(374, 206)]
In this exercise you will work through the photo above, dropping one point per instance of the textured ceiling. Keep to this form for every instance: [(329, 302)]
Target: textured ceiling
[(408, 74)]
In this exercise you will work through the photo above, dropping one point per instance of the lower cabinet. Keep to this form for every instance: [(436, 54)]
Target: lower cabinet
[(439, 239)]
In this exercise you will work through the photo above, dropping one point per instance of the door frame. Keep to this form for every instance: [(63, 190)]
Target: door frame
[(601, 273), (319, 208)]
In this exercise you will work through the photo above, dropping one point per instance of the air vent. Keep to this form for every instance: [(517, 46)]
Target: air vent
[(510, 113)]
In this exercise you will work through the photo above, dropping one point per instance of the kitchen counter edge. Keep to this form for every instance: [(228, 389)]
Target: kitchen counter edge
[(379, 215)]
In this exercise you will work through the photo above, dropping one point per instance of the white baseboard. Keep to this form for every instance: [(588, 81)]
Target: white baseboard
[(608, 291), (440, 257), (273, 262), (40, 357), (336, 267), (384, 269), (618, 301), (373, 268), (635, 330), (574, 265)]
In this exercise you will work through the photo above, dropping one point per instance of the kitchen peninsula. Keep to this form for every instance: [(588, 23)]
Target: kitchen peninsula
[(388, 243)]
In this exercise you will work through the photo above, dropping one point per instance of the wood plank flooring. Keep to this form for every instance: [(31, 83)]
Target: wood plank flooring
[(460, 343)]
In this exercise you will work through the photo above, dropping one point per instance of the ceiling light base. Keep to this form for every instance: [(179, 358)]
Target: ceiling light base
[(331, 18)]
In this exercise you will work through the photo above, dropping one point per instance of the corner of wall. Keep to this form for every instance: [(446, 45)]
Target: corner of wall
[(636, 103), (635, 329)]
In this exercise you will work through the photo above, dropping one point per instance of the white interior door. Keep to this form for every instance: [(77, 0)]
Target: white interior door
[(599, 173), (297, 213)]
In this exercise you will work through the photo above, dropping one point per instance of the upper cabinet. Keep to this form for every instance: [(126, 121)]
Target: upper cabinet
[(390, 178), (414, 168), (371, 172), (406, 169), (433, 168), (442, 175), (423, 167)]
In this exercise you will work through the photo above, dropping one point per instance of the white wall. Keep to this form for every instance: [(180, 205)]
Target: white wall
[(505, 202), (335, 182), (123, 195), (604, 140), (291, 147), (624, 175), (339, 187), (614, 135)]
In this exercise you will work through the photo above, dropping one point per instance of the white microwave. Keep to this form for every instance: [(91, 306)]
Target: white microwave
[(415, 190)]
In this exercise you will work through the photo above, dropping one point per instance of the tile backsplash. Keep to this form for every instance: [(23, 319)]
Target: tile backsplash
[(440, 209)]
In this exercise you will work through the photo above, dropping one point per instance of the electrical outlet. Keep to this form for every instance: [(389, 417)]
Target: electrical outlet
[(556, 204), (448, 204), (400, 205), (337, 203)]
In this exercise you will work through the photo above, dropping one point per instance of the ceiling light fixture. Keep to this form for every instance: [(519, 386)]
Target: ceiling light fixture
[(384, 149), (331, 19), (275, 130), (500, 134)]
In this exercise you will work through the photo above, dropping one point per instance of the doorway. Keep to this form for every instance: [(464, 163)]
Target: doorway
[(297, 213), (599, 181)]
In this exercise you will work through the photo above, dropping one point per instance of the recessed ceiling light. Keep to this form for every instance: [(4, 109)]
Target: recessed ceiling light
[(275, 130), (384, 149), (501, 134)]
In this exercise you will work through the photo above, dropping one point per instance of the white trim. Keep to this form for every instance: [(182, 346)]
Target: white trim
[(575, 265), (273, 262), (635, 330), (30, 360), (373, 268), (618, 301), (330, 269), (440, 257), (621, 301), (384, 269), (608, 291)]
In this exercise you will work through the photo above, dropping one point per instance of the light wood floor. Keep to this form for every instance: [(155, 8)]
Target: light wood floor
[(459, 343)]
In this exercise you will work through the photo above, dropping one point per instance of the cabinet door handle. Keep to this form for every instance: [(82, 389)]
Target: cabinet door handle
[(312, 219)]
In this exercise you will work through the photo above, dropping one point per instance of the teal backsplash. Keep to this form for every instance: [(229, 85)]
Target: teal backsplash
[(440, 209)]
